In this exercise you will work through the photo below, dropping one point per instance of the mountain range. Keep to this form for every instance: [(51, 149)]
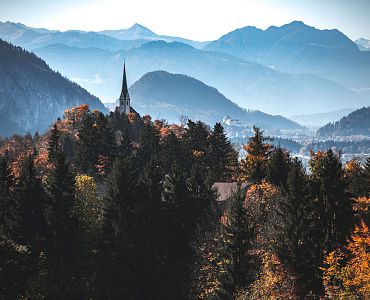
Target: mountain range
[(32, 38), (294, 69), (165, 95), (250, 85), (299, 48), (32, 96), (140, 32), (321, 119), (356, 123)]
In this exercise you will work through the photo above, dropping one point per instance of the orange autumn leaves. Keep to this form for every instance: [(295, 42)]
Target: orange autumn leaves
[(346, 272)]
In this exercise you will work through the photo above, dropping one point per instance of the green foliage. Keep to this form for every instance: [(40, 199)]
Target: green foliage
[(7, 204), (222, 156), (356, 123), (278, 167), (296, 247), (334, 208), (172, 151), (149, 145), (117, 240), (61, 247), (30, 201), (13, 270), (158, 231), (196, 141), (53, 142), (233, 245), (254, 166)]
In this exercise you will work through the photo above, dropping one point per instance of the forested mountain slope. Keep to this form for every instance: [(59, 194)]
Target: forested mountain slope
[(32, 95), (165, 95), (356, 123)]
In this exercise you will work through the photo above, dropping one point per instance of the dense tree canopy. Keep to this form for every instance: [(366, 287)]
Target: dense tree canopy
[(123, 207)]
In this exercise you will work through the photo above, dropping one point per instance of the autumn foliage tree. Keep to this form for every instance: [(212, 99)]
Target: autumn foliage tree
[(347, 270), (254, 165)]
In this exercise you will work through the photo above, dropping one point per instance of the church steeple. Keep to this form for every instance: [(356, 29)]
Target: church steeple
[(124, 99), (124, 90)]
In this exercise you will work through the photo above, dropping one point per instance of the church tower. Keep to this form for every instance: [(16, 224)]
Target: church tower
[(124, 99)]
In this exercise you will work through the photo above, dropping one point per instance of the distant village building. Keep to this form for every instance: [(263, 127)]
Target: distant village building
[(230, 122), (124, 106)]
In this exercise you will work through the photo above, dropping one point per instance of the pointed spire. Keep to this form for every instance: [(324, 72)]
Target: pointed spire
[(124, 91)]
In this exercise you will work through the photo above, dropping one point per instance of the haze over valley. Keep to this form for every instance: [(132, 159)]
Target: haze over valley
[(296, 69), (188, 150)]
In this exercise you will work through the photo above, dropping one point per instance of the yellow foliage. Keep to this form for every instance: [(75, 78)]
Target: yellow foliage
[(72, 118), (197, 153), (88, 204), (352, 166), (208, 278), (347, 275), (362, 205), (273, 281), (254, 165)]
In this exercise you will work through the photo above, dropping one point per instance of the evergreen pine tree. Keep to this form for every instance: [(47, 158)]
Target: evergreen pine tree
[(31, 224), (172, 150), (297, 247), (116, 278), (86, 146), (105, 137), (254, 166), (125, 145), (53, 142), (149, 147), (61, 244), (196, 135), (222, 156), (177, 233), (30, 199), (196, 142), (148, 234), (278, 167), (202, 195), (7, 204), (334, 207), (233, 245)]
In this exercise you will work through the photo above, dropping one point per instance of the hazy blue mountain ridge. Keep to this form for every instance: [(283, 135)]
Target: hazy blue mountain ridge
[(299, 48), (141, 32), (321, 119), (249, 84), (32, 38), (165, 95), (355, 124), (32, 96)]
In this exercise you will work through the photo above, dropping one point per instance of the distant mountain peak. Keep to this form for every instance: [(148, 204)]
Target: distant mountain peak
[(363, 44), (297, 23), (140, 28)]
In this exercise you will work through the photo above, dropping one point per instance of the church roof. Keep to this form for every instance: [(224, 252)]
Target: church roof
[(124, 91)]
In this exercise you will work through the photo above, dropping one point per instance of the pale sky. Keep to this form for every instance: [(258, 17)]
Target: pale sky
[(194, 19)]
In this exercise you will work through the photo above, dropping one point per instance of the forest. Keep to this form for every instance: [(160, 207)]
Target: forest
[(125, 207)]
